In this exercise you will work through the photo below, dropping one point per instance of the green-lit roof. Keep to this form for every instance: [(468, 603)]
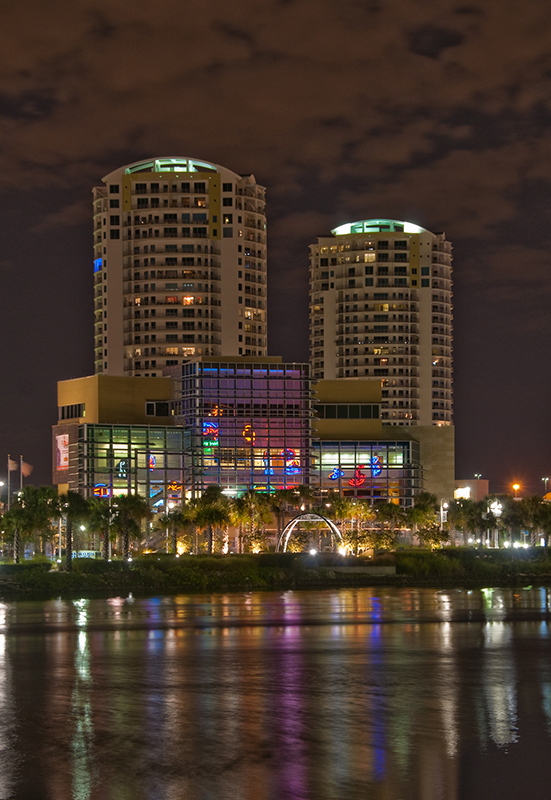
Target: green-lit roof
[(377, 226), (175, 164)]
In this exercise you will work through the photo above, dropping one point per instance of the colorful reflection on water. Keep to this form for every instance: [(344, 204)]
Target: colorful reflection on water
[(367, 693)]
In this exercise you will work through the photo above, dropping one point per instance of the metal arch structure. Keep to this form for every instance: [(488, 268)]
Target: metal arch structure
[(306, 517)]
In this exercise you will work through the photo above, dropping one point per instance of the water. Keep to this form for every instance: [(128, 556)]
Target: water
[(401, 694)]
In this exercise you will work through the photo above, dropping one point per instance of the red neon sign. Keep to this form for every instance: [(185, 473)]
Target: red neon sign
[(359, 477)]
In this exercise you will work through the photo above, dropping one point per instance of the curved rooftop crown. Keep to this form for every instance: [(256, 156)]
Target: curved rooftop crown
[(171, 164), (167, 164), (376, 226)]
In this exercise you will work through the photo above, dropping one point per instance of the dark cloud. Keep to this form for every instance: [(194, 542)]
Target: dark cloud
[(431, 41)]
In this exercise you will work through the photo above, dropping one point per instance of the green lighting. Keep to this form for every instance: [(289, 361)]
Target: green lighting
[(377, 226), (171, 165)]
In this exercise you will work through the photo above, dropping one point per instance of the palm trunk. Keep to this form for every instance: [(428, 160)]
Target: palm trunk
[(16, 545), (105, 545), (174, 541), (126, 544), (209, 539), (69, 546)]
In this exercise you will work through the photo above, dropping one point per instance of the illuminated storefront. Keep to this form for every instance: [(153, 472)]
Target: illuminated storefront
[(372, 470), (248, 423), (110, 460)]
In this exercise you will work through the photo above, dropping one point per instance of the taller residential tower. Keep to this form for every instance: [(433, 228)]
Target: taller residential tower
[(179, 266)]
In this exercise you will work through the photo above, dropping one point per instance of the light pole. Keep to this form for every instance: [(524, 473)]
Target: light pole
[(516, 487), (545, 482), (496, 508), (443, 514), (478, 475)]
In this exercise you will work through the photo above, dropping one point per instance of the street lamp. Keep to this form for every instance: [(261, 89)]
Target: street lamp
[(545, 482), (478, 475), (443, 514), (516, 487)]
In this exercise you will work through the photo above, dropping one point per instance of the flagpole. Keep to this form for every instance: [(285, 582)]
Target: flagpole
[(9, 490), (20, 474)]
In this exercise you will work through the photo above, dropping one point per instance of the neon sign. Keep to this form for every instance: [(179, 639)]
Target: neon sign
[(152, 461), (248, 434), (359, 476), (210, 432), (336, 474), (292, 465), (375, 465), (97, 264), (101, 490), (286, 459)]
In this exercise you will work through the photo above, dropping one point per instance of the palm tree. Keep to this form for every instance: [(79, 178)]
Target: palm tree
[(41, 505), (101, 517), (279, 501), (530, 511), (239, 517), (14, 523), (391, 519), (76, 509), (185, 524), (130, 510), (423, 517), (174, 522), (210, 515), (545, 522), (458, 511)]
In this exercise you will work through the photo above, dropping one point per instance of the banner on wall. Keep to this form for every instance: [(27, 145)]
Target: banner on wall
[(62, 451)]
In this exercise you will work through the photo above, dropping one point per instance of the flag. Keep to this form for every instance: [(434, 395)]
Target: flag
[(12, 465), (26, 469)]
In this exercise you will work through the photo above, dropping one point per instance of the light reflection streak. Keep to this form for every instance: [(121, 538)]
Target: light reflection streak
[(499, 683), (6, 711), (448, 691), (81, 708)]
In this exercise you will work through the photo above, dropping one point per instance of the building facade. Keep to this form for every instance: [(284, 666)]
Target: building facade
[(353, 453), (381, 307), (179, 266), (247, 423), (240, 423), (116, 435)]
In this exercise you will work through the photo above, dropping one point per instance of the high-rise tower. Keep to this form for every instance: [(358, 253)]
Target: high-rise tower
[(381, 306), (179, 265)]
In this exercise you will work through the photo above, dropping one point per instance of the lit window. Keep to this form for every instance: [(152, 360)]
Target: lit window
[(186, 301)]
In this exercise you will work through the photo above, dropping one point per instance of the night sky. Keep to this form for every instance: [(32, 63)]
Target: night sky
[(435, 112)]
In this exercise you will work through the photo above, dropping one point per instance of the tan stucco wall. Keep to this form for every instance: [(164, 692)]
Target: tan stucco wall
[(112, 399), (437, 446), (348, 390)]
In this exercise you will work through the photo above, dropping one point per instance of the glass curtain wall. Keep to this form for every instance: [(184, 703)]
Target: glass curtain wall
[(387, 471), (248, 424), (129, 459)]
